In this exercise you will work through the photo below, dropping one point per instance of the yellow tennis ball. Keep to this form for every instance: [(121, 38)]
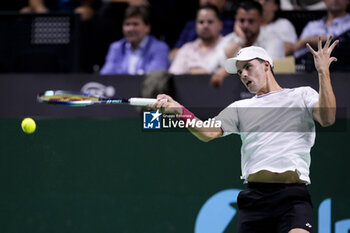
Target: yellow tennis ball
[(28, 125)]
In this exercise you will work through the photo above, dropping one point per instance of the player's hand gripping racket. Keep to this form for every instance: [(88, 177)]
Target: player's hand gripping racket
[(78, 99)]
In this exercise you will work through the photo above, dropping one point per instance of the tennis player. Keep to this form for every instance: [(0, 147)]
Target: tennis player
[(277, 130)]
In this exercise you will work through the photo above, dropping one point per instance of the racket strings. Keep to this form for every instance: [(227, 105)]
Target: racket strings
[(67, 98)]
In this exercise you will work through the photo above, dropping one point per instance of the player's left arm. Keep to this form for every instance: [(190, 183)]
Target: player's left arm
[(324, 111)]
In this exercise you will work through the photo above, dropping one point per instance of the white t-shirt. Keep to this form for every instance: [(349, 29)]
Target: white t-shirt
[(283, 28), (273, 44), (190, 56), (277, 131)]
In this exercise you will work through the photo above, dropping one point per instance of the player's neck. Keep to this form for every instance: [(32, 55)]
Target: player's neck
[(268, 90), (271, 86)]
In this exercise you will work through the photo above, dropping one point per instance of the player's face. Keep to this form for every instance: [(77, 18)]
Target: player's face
[(252, 74), (249, 21), (135, 30), (208, 26)]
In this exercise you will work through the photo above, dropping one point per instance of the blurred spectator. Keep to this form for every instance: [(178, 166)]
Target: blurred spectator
[(130, 2), (205, 54), (288, 5), (249, 18), (247, 32), (108, 28), (335, 23), (189, 31), (230, 7), (138, 52), (279, 26), (83, 7)]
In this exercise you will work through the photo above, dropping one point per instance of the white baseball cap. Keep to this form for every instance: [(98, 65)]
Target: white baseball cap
[(246, 54)]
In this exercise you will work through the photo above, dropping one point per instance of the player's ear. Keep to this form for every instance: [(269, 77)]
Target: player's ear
[(266, 66)]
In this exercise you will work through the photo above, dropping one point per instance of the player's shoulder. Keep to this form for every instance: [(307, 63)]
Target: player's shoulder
[(303, 92), (287, 92), (242, 103), (304, 89)]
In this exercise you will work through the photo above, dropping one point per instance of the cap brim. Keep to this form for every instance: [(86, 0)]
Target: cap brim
[(230, 66)]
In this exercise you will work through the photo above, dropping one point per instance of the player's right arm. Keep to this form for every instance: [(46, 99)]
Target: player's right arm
[(172, 106)]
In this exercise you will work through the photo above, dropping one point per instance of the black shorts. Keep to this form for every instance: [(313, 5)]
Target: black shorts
[(279, 208)]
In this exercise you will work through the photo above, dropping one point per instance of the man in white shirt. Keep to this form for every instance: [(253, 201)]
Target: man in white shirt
[(206, 53), (247, 32), (277, 25), (277, 130)]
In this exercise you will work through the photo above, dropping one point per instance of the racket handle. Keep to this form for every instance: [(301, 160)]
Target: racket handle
[(142, 101)]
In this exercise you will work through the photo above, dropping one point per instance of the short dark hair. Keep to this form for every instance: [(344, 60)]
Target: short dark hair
[(211, 7), (251, 5), (261, 61), (138, 11)]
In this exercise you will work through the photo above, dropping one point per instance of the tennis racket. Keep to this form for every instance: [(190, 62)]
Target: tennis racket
[(78, 99)]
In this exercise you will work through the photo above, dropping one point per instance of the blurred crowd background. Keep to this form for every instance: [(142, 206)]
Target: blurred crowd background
[(69, 36)]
